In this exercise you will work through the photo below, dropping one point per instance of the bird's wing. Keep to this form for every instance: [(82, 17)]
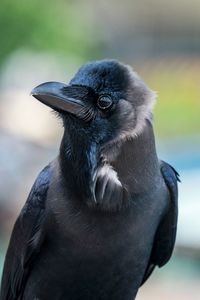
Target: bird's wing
[(26, 240), (166, 233)]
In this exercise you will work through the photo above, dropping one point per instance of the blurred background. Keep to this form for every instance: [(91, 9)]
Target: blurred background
[(48, 40)]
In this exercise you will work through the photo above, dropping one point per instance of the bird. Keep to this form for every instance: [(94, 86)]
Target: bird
[(103, 214)]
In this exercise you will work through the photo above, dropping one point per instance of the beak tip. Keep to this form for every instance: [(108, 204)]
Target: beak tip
[(45, 88), (34, 91)]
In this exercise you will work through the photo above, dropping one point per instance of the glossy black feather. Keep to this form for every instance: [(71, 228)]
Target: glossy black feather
[(26, 240), (166, 233)]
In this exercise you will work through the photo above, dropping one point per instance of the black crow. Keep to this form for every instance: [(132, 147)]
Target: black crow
[(103, 214)]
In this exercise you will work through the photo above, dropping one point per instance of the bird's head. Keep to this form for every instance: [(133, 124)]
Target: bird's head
[(105, 102)]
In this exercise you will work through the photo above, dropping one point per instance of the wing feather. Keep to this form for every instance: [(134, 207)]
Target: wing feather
[(26, 240), (166, 233)]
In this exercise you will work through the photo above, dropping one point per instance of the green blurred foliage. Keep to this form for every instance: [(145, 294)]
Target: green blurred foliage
[(45, 25), (176, 81)]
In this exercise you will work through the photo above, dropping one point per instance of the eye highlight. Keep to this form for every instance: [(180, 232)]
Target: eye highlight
[(104, 102)]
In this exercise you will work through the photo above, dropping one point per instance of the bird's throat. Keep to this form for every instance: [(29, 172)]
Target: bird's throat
[(78, 162)]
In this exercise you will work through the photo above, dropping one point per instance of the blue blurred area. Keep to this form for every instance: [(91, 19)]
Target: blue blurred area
[(183, 152), (184, 155)]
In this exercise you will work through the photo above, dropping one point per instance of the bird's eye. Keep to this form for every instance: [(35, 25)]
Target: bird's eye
[(104, 102)]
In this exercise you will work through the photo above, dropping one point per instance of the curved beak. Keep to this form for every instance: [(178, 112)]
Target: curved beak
[(67, 98)]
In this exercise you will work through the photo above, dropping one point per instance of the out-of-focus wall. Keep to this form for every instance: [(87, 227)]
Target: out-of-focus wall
[(48, 41)]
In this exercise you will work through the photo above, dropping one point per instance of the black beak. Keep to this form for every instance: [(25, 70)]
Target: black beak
[(65, 98)]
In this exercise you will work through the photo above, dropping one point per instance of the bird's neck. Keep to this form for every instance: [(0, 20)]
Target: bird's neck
[(137, 164), (78, 161)]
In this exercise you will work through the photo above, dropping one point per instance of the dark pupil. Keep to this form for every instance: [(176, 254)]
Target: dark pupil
[(104, 102)]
